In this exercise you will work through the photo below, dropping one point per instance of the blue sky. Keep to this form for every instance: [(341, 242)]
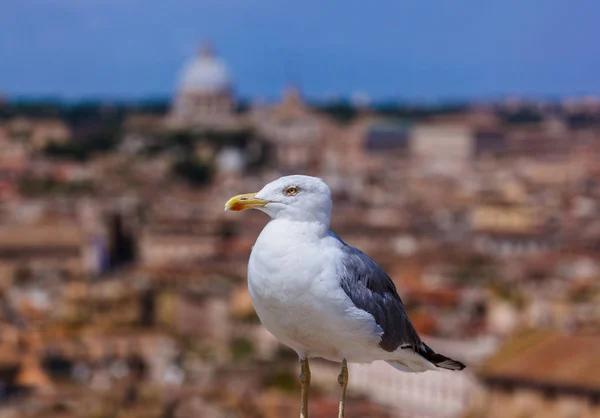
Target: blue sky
[(391, 49)]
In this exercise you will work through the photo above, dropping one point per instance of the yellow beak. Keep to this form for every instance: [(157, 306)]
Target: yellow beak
[(245, 201)]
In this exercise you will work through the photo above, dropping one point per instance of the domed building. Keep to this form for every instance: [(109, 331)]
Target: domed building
[(205, 95)]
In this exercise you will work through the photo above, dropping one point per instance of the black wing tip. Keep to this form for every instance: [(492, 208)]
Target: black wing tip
[(441, 361), (450, 364)]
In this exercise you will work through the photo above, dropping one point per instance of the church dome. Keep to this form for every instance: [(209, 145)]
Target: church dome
[(205, 74)]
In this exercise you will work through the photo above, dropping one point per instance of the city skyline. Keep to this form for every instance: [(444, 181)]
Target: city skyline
[(124, 287), (430, 51)]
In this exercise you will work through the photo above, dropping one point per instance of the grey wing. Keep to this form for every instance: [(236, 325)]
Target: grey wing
[(372, 290)]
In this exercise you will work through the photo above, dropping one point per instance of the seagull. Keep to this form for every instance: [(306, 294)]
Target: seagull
[(321, 296)]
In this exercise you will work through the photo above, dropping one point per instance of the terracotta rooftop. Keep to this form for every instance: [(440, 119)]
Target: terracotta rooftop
[(39, 235), (429, 295), (548, 358)]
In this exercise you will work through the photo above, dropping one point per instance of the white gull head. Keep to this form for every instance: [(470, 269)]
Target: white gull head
[(296, 198)]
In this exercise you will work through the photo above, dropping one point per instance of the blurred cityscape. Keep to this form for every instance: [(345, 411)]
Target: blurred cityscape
[(123, 282)]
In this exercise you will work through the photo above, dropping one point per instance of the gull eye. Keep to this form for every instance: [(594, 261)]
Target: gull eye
[(291, 191)]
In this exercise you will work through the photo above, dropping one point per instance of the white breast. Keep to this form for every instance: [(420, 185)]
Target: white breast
[(296, 293)]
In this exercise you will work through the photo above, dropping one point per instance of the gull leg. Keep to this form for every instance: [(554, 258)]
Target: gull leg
[(343, 382), (304, 386)]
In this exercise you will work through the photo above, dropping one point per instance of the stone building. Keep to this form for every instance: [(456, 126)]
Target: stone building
[(295, 131), (424, 395), (61, 246), (449, 147)]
